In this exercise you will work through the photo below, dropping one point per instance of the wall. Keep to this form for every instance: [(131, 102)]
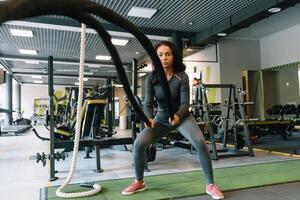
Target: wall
[(288, 86), (31, 92), (210, 75), (270, 89), (299, 79), (120, 93), (236, 55), (282, 47), (205, 63), (1, 101)]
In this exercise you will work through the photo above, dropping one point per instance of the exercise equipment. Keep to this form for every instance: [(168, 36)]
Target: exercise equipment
[(44, 157), (261, 129), (16, 127), (234, 116), (12, 10), (281, 120)]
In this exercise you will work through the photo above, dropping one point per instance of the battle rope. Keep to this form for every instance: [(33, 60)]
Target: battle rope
[(11, 10), (81, 10)]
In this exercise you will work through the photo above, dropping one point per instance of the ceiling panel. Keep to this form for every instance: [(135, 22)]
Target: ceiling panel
[(63, 42), (178, 14)]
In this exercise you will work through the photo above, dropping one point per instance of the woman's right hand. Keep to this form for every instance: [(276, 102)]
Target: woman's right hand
[(151, 120)]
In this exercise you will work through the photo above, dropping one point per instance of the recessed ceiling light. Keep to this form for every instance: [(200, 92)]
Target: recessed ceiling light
[(222, 34), (38, 81), (189, 50), (66, 70), (274, 10), (84, 79), (119, 42), (142, 74), (93, 65), (190, 23), (21, 33), (28, 51), (92, 70), (141, 12), (99, 57), (137, 53), (118, 85), (36, 76), (88, 73), (34, 62)]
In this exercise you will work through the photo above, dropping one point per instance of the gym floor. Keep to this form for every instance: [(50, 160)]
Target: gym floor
[(22, 178)]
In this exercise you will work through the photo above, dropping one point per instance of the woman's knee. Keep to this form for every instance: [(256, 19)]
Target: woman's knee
[(200, 145), (139, 144)]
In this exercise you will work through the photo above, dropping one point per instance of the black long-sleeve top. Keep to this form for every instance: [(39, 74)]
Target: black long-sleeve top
[(180, 97)]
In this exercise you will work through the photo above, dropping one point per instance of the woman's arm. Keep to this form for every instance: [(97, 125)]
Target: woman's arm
[(149, 97), (183, 110)]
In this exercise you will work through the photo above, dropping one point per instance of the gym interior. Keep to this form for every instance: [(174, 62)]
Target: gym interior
[(58, 67)]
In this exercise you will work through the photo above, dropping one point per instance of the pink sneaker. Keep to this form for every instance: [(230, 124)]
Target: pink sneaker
[(213, 190), (135, 186)]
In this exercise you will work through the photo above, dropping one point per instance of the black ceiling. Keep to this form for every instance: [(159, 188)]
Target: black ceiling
[(197, 21)]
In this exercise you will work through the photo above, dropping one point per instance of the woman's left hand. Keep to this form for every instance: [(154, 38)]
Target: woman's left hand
[(175, 121)]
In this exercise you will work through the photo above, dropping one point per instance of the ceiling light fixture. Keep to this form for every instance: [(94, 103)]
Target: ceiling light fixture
[(118, 85), (88, 73), (84, 79), (222, 34), (99, 57), (38, 81), (34, 62), (36, 76), (21, 33), (66, 70), (28, 51), (274, 10), (119, 42), (189, 50), (93, 65), (142, 74), (141, 12)]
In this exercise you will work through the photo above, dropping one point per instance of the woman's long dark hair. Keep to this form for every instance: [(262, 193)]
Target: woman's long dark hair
[(178, 65)]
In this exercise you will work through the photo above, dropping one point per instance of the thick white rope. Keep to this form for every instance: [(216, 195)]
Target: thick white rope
[(97, 188)]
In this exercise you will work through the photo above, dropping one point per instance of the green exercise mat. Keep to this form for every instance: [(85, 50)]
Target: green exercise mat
[(193, 183)]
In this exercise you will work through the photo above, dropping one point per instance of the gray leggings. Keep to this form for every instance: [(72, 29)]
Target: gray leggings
[(188, 128)]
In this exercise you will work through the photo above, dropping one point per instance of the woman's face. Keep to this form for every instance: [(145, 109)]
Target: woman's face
[(165, 55)]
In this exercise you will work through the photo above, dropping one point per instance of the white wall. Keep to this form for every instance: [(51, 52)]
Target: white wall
[(1, 100), (208, 54), (205, 62), (299, 79), (210, 75), (31, 92), (282, 47)]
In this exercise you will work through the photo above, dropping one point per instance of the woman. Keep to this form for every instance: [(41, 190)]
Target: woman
[(161, 124)]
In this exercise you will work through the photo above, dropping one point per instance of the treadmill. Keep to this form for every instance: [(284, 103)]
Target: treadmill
[(12, 129)]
